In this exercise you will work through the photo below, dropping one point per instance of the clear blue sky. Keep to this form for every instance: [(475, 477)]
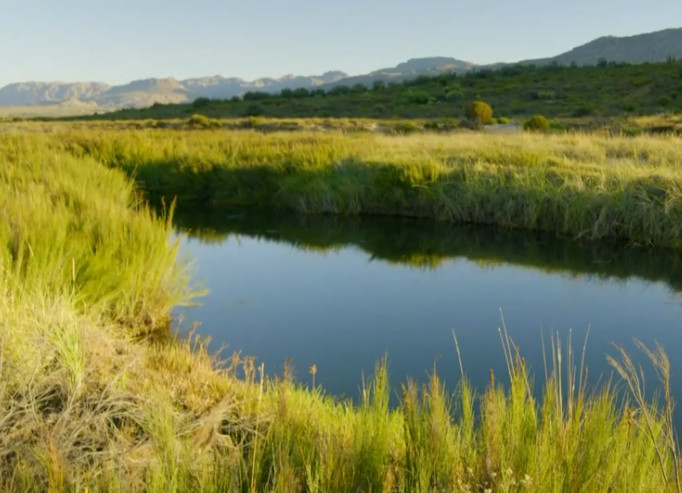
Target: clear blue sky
[(118, 40)]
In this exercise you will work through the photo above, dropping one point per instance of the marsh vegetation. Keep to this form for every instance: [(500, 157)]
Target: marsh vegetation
[(580, 185), (90, 402)]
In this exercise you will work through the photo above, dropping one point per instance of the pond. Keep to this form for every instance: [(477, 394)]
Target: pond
[(342, 292)]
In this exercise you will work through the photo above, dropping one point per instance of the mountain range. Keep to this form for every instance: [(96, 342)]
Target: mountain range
[(651, 47)]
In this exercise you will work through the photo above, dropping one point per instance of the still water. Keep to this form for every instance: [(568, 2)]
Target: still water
[(341, 293)]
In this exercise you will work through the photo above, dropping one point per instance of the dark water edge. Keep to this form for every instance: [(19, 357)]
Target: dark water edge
[(636, 287)]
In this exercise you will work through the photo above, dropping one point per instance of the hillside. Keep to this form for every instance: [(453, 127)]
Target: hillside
[(410, 69), (607, 90), (658, 46), (35, 93)]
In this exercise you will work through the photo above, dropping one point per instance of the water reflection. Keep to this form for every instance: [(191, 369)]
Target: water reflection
[(341, 292), (427, 244)]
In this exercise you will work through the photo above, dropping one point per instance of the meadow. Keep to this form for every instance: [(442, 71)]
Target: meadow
[(95, 395)]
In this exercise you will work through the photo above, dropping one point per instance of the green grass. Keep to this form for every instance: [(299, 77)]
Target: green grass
[(86, 405), (584, 186)]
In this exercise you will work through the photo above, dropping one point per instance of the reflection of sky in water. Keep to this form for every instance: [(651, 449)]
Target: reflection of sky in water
[(343, 311)]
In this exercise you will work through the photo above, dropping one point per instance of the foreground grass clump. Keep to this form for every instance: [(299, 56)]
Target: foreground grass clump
[(86, 405), (585, 186)]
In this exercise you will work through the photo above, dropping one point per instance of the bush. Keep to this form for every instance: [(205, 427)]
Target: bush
[(543, 95), (338, 90), (454, 93), (202, 121), (256, 95), (536, 123), (417, 97), (197, 120), (300, 93), (480, 112), (405, 128), (201, 102), (254, 109), (583, 111)]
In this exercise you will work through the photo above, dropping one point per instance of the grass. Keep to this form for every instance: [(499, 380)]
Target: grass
[(584, 186), (87, 404)]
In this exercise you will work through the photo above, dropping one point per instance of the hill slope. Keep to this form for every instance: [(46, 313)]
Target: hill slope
[(31, 93), (658, 46), (614, 89), (408, 70)]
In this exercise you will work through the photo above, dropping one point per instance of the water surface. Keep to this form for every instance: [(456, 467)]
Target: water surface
[(341, 293)]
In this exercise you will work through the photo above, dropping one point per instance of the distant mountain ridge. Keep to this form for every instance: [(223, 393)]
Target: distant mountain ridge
[(145, 92), (651, 47), (30, 93), (658, 46), (408, 70)]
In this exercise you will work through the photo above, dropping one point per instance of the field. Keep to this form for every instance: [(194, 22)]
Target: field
[(96, 396)]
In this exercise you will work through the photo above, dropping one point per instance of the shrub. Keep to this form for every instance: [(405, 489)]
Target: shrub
[(198, 120), (480, 112), (337, 90), (543, 94), (202, 121), (417, 97), (405, 128), (583, 111), (454, 93), (536, 123), (201, 102), (256, 95), (502, 120), (254, 109), (300, 92)]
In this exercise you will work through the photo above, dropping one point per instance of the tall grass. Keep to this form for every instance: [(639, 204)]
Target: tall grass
[(68, 225), (586, 186), (85, 405)]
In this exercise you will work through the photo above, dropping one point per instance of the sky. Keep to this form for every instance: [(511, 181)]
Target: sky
[(116, 41)]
